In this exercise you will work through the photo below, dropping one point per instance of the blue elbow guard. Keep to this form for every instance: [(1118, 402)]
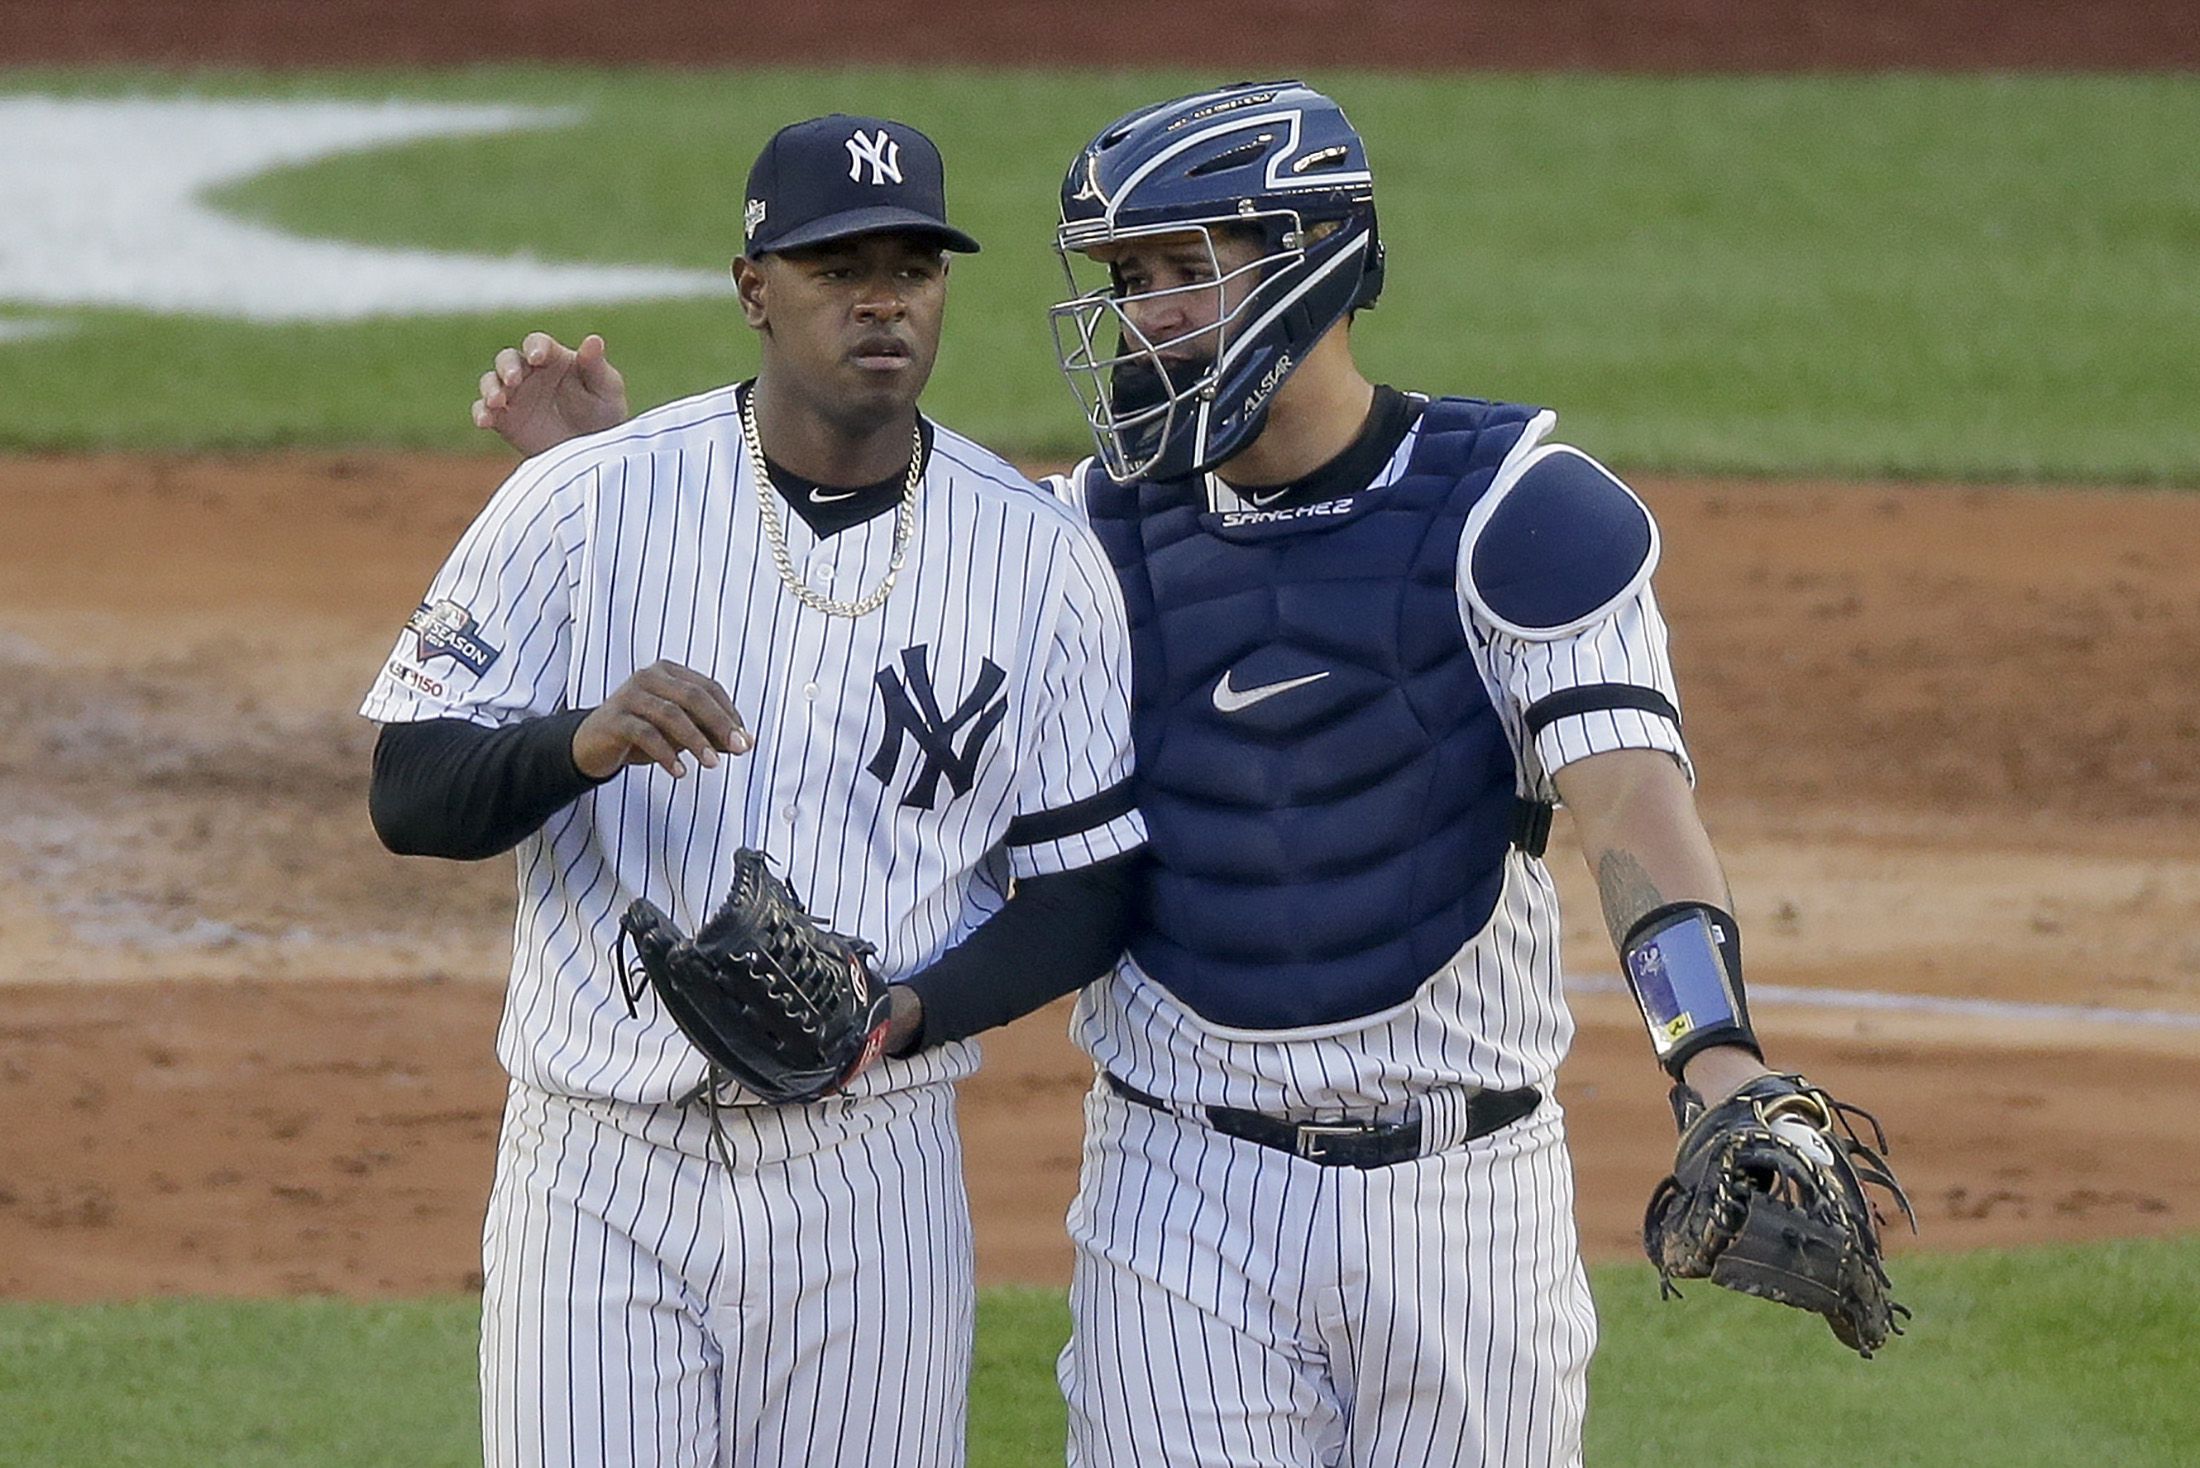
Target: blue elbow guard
[(1684, 963)]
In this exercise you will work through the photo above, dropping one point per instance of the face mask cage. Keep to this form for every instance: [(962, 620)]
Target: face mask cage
[(1102, 348)]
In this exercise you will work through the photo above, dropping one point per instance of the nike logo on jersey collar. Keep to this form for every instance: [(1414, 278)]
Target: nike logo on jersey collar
[(820, 497), (1233, 700), (1221, 495)]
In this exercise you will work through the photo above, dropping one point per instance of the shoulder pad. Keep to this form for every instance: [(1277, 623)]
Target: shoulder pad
[(1555, 545), (1074, 486), (1059, 487)]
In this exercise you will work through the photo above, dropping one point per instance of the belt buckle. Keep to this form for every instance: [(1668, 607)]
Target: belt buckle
[(1314, 1137)]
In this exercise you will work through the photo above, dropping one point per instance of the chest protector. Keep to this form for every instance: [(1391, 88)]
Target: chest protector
[(1328, 792)]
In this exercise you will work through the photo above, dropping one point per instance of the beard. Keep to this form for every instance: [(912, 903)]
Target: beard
[(1138, 384)]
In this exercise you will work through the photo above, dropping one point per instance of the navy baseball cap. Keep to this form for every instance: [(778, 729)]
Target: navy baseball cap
[(833, 177)]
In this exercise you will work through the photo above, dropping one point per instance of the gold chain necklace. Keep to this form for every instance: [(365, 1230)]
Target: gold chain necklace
[(775, 533)]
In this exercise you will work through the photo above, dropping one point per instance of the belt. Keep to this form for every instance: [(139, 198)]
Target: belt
[(1364, 1144)]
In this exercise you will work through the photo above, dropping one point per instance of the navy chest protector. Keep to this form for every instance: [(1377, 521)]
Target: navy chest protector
[(1328, 792)]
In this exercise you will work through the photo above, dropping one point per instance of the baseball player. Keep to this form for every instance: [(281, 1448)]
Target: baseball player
[(1326, 1213), (792, 615)]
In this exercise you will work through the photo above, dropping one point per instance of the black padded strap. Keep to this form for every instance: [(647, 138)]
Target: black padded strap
[(1532, 825)]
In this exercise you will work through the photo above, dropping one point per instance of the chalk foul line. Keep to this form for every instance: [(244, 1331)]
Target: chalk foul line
[(1875, 999)]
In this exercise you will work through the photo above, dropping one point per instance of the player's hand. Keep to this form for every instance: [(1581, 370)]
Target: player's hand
[(544, 392), (654, 717), (904, 1019)]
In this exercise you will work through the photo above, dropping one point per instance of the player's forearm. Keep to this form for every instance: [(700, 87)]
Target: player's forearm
[(445, 787), (1055, 935), (1640, 834)]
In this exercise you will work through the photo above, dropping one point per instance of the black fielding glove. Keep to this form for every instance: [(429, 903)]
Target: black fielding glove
[(789, 1010), (1767, 1197)]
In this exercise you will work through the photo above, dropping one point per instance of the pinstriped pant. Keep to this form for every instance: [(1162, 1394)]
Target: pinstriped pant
[(1238, 1307), (642, 1306)]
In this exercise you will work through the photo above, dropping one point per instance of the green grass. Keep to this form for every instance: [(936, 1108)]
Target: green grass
[(2025, 1359), (239, 1384), (2017, 1360), (1971, 276), (1016, 1416)]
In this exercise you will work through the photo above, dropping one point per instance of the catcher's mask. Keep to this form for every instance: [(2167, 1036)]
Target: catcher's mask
[(1274, 161)]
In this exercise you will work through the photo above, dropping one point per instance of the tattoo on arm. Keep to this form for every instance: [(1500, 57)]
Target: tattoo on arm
[(1626, 892)]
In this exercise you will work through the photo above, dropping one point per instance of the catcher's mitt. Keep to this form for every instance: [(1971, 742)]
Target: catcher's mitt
[(1767, 1197), (786, 1008)]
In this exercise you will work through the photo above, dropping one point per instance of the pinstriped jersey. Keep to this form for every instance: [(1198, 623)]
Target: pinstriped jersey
[(908, 763), (1494, 1015)]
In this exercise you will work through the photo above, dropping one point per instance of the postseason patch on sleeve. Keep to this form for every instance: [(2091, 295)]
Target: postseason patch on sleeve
[(445, 629)]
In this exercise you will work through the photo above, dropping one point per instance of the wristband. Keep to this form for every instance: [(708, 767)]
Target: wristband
[(1683, 963)]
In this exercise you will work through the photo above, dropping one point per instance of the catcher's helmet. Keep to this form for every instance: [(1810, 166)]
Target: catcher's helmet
[(1276, 159)]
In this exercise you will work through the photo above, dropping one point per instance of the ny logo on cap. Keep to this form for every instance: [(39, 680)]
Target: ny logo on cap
[(881, 152), (752, 216)]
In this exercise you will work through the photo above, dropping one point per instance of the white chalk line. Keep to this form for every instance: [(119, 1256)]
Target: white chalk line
[(2007, 1009)]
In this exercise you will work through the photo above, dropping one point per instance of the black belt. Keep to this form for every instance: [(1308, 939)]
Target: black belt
[(1363, 1144)]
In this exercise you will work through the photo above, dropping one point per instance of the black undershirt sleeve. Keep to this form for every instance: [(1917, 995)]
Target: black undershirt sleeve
[(1055, 935), (445, 787), (449, 788)]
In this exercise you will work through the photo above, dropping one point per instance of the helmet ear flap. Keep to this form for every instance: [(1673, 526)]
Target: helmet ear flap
[(1371, 278)]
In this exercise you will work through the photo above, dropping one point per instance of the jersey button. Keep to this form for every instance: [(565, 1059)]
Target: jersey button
[(787, 815), (809, 690)]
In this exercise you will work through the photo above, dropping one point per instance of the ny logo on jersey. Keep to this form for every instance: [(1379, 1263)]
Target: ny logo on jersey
[(881, 152), (913, 713)]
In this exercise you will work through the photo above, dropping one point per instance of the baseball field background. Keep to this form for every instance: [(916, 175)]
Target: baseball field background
[(1890, 312)]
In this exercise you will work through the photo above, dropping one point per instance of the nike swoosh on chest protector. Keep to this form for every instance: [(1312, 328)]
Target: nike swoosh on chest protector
[(1230, 700)]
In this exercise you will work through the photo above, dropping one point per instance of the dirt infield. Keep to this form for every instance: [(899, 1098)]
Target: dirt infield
[(1945, 745), (1235, 37)]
